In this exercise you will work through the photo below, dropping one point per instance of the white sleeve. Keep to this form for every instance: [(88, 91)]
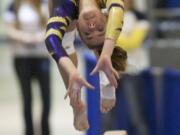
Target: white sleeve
[(68, 41)]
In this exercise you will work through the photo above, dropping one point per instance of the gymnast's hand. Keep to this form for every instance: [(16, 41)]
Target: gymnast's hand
[(104, 63), (76, 82)]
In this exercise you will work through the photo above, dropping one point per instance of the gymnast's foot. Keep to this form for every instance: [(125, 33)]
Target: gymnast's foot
[(107, 94), (80, 119), (107, 104)]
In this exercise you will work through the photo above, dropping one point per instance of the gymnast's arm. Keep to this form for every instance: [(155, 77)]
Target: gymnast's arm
[(114, 24), (57, 25), (113, 28), (61, 17)]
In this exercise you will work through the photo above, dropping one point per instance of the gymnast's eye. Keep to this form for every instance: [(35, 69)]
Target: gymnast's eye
[(86, 33), (100, 29)]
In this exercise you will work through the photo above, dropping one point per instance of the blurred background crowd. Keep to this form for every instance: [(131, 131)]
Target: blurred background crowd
[(31, 93)]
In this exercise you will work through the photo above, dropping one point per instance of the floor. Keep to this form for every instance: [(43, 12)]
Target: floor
[(11, 122)]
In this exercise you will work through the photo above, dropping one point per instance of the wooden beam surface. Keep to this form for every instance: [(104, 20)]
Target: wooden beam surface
[(120, 132)]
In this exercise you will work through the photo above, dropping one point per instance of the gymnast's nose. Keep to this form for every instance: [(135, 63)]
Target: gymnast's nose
[(91, 25)]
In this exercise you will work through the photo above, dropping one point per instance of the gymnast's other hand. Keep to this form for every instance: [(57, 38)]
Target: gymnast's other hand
[(104, 64)]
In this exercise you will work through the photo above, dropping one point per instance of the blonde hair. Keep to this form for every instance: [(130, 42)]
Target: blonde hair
[(37, 7)]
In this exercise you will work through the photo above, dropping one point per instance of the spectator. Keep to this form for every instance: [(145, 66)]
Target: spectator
[(26, 21)]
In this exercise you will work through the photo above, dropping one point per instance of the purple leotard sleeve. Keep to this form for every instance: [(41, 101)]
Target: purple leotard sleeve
[(57, 25)]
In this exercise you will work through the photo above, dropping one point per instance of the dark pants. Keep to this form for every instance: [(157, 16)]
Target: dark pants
[(28, 69)]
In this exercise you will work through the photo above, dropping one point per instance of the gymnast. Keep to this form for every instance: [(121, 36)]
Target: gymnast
[(99, 31)]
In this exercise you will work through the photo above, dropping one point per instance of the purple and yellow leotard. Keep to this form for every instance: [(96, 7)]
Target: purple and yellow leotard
[(63, 14)]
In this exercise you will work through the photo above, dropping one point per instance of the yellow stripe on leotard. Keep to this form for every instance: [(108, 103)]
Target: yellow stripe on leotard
[(54, 32), (58, 19), (63, 28), (74, 2)]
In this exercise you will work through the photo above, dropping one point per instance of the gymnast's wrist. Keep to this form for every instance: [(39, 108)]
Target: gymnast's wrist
[(108, 47), (67, 65)]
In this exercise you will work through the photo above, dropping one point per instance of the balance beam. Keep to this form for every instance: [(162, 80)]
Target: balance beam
[(120, 132)]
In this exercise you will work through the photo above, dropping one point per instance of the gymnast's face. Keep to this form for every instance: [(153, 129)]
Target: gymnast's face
[(91, 26)]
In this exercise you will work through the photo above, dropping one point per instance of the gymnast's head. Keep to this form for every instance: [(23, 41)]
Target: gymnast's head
[(91, 25)]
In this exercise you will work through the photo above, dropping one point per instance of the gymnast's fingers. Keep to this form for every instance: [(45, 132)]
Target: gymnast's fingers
[(95, 70), (88, 85), (116, 74), (112, 79), (67, 94)]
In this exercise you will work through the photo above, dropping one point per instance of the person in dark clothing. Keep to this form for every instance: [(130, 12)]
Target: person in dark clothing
[(30, 57)]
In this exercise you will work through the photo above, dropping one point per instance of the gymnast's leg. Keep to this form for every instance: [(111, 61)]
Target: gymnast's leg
[(107, 94)]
